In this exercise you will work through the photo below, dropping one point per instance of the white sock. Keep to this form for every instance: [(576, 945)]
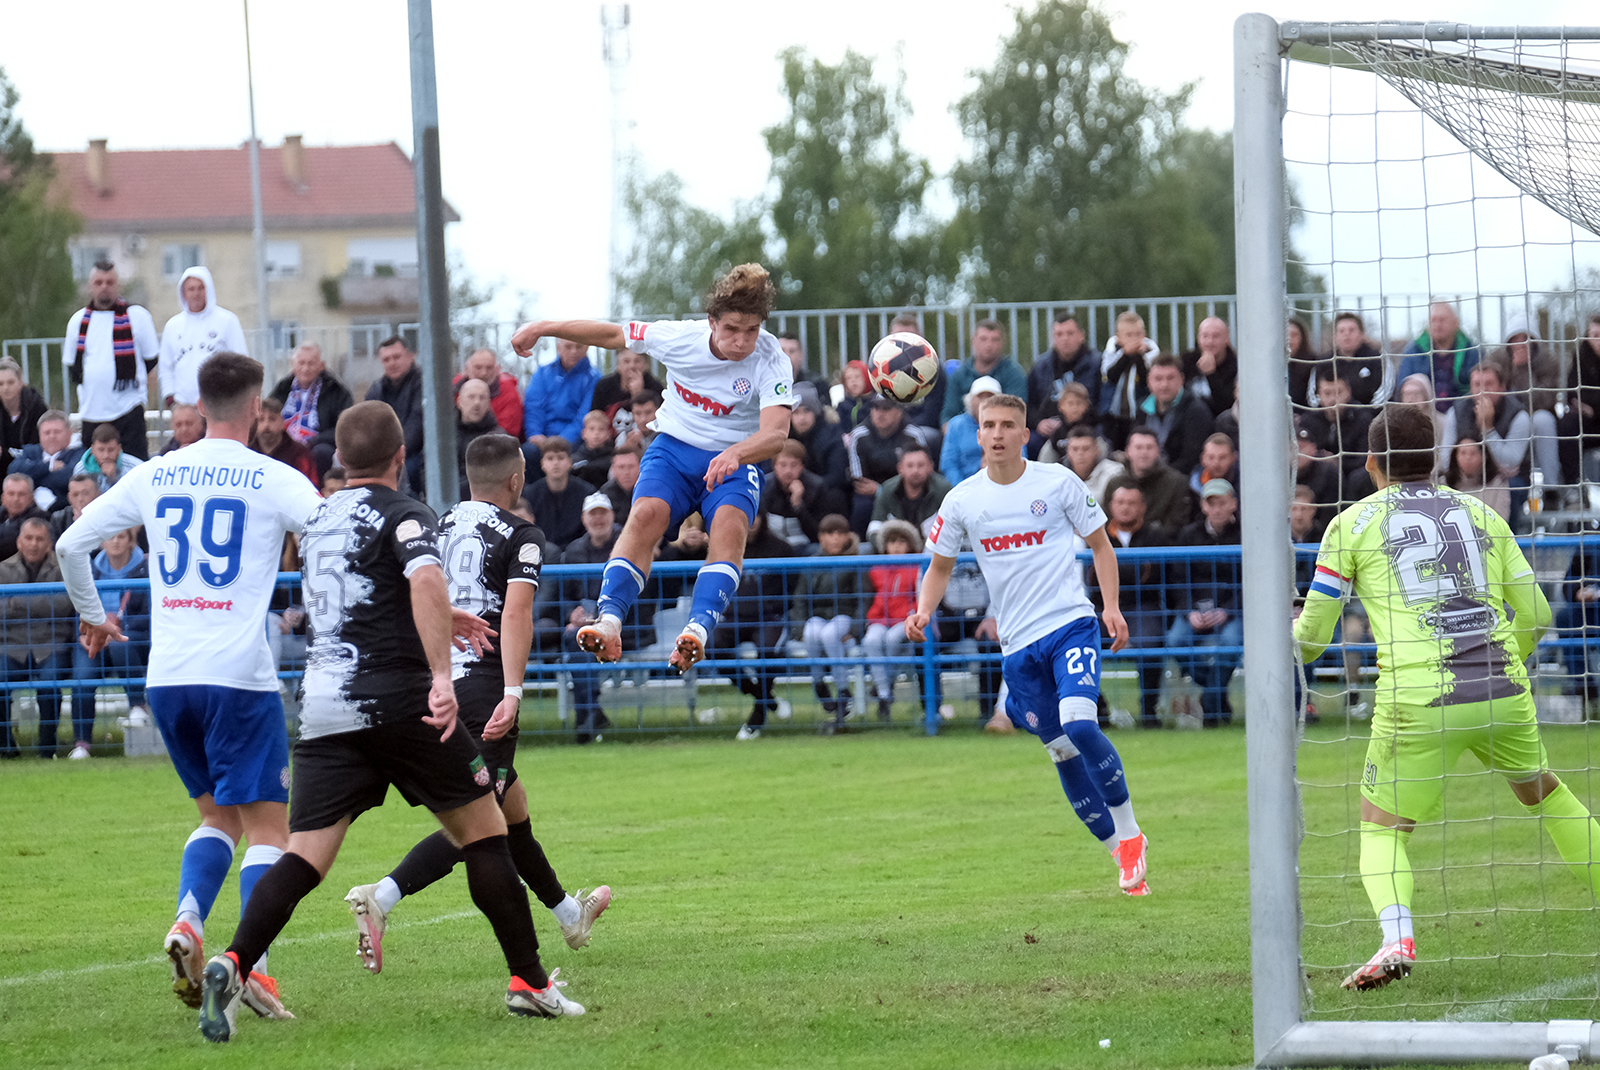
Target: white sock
[(1122, 816), (1111, 845), (189, 911), (387, 894), (567, 911), (1396, 922)]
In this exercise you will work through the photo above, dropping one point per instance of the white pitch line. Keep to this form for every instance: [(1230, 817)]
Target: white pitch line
[(103, 967), (1505, 1008)]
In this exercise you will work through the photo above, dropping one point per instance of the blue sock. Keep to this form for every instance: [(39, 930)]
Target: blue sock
[(207, 857), (1104, 764), (258, 858), (714, 588), (620, 584), (1085, 798)]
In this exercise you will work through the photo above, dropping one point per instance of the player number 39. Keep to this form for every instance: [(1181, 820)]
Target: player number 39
[(223, 552)]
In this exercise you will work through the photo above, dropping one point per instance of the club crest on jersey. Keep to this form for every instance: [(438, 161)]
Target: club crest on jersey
[(1038, 507), (1012, 542), (480, 772), (1032, 719), (741, 387), (715, 408), (636, 331), (938, 526)]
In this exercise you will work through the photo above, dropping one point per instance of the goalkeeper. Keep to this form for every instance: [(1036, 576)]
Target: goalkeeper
[(1454, 609)]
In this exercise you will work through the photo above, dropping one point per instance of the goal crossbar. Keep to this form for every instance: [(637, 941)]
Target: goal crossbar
[(1281, 1036)]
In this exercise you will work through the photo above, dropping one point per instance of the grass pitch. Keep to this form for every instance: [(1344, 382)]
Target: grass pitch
[(870, 900)]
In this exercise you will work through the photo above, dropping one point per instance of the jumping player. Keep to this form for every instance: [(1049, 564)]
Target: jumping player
[(380, 709), (1454, 610), (729, 394), (216, 514), (491, 559), (1020, 518)]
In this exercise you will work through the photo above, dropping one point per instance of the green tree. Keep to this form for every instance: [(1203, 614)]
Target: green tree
[(677, 248), (1066, 151), (37, 293), (849, 212)]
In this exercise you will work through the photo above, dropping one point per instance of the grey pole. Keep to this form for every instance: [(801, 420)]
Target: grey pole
[(258, 223), (1264, 447), (434, 347)]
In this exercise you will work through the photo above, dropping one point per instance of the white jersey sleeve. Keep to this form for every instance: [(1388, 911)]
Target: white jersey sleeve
[(115, 510), (1079, 505), (712, 403), (949, 530)]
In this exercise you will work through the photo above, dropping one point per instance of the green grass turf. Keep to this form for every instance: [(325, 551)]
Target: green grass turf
[(877, 899)]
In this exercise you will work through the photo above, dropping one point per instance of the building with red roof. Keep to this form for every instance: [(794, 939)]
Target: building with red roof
[(340, 225)]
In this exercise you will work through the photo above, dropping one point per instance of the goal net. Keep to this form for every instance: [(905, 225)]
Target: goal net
[(1437, 188)]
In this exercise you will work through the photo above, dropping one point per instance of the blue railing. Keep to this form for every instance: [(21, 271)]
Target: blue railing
[(1167, 582)]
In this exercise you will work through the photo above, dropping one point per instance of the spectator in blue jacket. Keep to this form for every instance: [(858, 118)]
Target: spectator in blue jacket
[(559, 395), (962, 456), (988, 358), (49, 462), (1444, 354), (119, 559)]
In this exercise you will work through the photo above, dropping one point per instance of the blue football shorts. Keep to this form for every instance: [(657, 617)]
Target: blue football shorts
[(675, 472), (224, 741), (1063, 665)]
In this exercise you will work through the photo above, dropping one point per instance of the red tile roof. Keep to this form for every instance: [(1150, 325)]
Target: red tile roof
[(209, 189)]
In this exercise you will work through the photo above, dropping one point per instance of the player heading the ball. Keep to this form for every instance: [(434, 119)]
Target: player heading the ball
[(1020, 517), (1436, 571), (729, 395)]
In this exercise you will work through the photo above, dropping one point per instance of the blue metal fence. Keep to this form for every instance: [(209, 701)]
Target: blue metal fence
[(760, 647)]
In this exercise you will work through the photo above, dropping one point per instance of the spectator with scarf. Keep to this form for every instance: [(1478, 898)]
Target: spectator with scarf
[(1445, 354), (109, 347), (312, 401)]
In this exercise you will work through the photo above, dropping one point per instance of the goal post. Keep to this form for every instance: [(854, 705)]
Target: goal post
[(1284, 1034)]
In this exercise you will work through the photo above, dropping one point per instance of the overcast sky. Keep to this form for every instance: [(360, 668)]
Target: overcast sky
[(524, 96)]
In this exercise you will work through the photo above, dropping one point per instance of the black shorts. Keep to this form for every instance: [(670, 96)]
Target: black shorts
[(346, 774), (477, 694)]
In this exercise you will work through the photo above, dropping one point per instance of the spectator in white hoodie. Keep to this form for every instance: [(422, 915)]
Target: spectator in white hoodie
[(201, 328)]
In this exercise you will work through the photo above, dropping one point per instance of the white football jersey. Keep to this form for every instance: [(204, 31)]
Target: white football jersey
[(215, 514), (1025, 535), (712, 403)]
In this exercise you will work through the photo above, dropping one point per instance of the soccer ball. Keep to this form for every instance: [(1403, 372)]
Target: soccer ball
[(903, 367)]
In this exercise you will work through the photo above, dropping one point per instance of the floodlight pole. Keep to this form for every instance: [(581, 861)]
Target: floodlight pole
[(258, 226), (1264, 446), (434, 346)]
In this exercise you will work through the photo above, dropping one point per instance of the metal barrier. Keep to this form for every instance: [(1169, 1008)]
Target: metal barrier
[(761, 648)]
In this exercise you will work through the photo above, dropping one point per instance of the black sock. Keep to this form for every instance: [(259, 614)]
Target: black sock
[(492, 880), (532, 866), (430, 860), (272, 902)]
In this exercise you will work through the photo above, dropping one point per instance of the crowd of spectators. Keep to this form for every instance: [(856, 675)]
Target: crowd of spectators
[(1154, 436)]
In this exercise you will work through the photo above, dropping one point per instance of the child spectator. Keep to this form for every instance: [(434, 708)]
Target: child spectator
[(827, 605), (857, 400), (591, 461), (334, 479), (894, 599), (1073, 410), (1473, 471), (1126, 384)]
